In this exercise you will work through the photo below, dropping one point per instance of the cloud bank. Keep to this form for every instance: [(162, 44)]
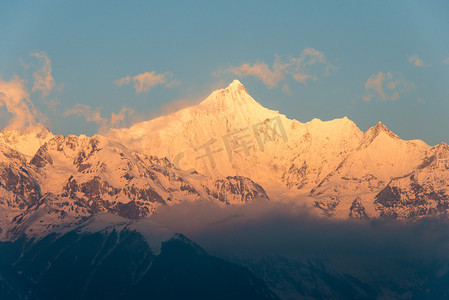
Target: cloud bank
[(286, 230)]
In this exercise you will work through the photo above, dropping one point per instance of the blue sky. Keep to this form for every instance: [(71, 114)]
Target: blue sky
[(307, 59)]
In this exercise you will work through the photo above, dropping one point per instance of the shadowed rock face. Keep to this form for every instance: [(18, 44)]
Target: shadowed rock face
[(236, 189), (357, 210), (20, 183), (17, 179)]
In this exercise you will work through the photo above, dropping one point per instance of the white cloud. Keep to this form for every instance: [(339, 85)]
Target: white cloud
[(94, 115), (15, 98), (86, 111), (375, 83), (446, 61), (385, 87), (301, 77), (43, 79), (269, 77), (416, 61), (300, 68), (119, 119), (144, 82)]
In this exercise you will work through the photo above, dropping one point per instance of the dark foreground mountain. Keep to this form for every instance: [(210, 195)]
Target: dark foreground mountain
[(317, 279), (104, 258)]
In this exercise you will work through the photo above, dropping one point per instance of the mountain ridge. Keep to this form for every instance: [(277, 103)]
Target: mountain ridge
[(229, 149)]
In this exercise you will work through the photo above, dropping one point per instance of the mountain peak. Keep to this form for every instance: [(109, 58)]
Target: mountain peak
[(380, 125), (235, 88), (375, 131), (378, 128), (235, 94), (236, 85), (441, 147), (26, 140)]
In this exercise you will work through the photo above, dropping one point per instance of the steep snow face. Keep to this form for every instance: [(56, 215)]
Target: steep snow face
[(27, 140), (315, 149), (380, 157), (230, 134), (187, 136), (425, 191)]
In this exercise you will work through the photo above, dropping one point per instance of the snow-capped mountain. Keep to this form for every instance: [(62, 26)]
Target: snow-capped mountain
[(18, 187), (228, 149), (82, 201), (229, 134), (329, 165), (26, 140), (352, 186), (71, 177), (424, 191)]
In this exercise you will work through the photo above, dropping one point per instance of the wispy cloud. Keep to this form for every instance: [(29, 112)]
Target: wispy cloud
[(421, 100), (123, 80), (375, 83), (286, 89), (15, 98), (43, 79), (269, 76), (52, 103), (86, 111), (119, 119), (144, 82), (299, 68), (416, 61), (93, 115), (385, 87), (446, 61)]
